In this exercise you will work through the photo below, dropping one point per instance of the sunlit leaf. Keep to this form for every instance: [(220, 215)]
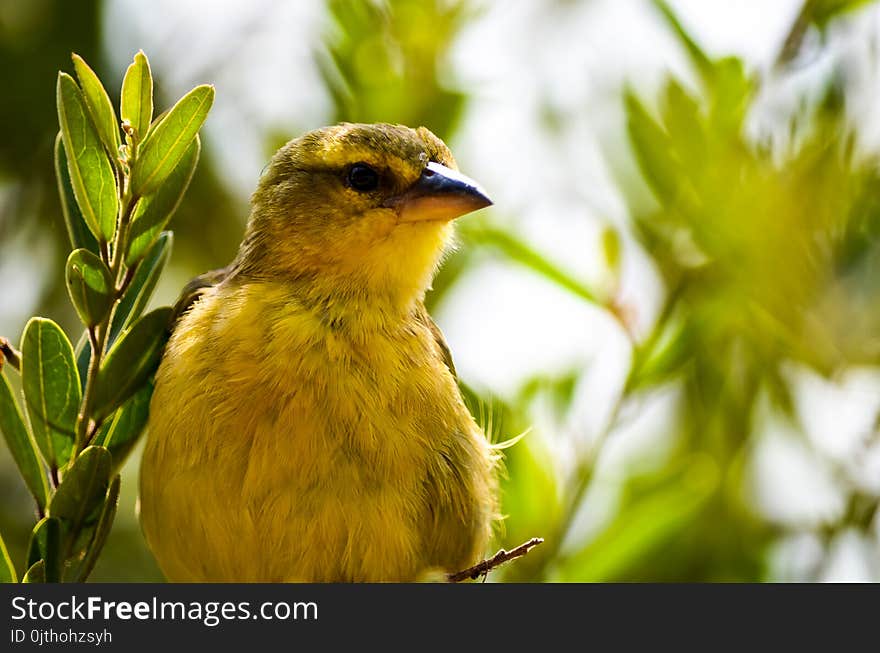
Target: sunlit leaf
[(51, 388), (36, 574), (89, 285), (132, 360), (136, 104), (77, 230), (135, 299), (91, 176), (21, 444), (99, 105), (154, 211), (170, 141)]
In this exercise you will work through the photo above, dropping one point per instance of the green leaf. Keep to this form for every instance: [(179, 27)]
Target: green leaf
[(154, 211), (128, 424), (171, 139), (611, 249), (663, 355), (142, 285), (519, 251), (657, 159), (45, 545), (89, 285), (645, 526), (136, 104), (52, 389), (7, 569), (92, 178), (21, 444), (83, 353), (36, 574), (77, 230), (78, 500), (699, 58), (102, 530), (99, 106), (132, 360)]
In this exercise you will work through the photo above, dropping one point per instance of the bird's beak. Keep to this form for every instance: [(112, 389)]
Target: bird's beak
[(440, 194)]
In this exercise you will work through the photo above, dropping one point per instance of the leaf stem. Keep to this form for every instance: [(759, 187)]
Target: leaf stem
[(86, 425)]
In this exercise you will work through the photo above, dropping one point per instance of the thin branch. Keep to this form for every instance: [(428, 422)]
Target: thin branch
[(10, 354), (485, 566)]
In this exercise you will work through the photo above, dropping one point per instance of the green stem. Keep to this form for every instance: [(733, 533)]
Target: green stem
[(86, 426)]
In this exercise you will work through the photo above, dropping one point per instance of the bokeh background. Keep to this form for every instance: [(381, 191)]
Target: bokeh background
[(675, 300)]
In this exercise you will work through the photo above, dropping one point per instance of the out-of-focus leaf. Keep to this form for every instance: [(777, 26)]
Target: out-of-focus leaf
[(78, 500), (685, 125), (102, 530), (99, 105), (644, 526), (154, 211), (45, 545), (658, 359), (77, 230), (142, 284), (405, 43), (522, 253), (7, 569), (731, 97), (21, 444), (36, 574), (611, 249), (89, 285), (136, 103), (699, 58), (127, 425), (132, 360), (654, 153), (51, 388), (91, 176), (170, 141)]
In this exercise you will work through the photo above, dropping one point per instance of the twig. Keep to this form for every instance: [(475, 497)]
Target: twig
[(10, 354), (485, 566)]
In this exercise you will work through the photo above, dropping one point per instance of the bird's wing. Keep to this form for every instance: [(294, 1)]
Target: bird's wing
[(196, 288), (424, 316)]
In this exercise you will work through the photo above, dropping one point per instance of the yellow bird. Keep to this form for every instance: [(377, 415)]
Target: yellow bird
[(306, 423)]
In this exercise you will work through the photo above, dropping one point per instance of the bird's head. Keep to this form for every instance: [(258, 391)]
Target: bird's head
[(368, 208)]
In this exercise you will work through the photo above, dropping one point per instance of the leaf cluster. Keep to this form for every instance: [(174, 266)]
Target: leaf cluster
[(120, 181)]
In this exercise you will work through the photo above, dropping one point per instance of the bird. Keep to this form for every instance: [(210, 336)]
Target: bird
[(306, 423)]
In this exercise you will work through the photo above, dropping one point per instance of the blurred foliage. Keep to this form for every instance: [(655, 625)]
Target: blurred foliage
[(383, 62), (769, 254)]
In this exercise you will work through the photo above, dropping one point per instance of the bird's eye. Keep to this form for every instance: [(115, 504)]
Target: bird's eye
[(363, 178)]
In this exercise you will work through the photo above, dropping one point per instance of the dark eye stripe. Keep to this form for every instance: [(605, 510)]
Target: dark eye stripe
[(362, 178)]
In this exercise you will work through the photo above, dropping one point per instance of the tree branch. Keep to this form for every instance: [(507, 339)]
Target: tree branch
[(10, 354), (485, 566)]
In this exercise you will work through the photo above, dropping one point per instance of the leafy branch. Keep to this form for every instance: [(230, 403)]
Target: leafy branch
[(119, 182)]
